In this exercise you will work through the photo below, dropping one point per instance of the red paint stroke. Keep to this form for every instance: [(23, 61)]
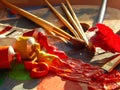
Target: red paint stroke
[(105, 38)]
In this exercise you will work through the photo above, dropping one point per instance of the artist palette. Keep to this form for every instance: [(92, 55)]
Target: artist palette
[(86, 14)]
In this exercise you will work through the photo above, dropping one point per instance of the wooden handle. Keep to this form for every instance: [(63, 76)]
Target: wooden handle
[(109, 66), (45, 24), (71, 19), (65, 22), (74, 24), (77, 22)]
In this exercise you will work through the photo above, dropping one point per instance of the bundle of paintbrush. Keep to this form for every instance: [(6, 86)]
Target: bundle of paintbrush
[(78, 39)]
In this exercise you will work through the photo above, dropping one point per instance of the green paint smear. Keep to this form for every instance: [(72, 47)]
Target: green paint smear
[(18, 72), (2, 77)]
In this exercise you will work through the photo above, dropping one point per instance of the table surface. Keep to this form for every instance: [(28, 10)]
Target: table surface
[(86, 14)]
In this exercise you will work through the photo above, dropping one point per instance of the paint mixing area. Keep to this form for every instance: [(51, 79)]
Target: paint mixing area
[(59, 45)]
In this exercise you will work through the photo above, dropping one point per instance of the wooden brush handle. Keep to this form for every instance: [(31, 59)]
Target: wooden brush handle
[(77, 22), (64, 21), (45, 24), (110, 65)]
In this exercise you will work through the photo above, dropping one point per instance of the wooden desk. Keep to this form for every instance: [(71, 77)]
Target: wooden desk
[(24, 3)]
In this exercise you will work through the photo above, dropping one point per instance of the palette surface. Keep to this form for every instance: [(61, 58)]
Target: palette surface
[(86, 14)]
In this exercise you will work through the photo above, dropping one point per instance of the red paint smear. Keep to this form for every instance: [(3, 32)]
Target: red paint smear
[(105, 38), (77, 70), (42, 40), (108, 81), (5, 29)]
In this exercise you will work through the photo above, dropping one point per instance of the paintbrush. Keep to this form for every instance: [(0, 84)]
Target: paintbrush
[(81, 31), (46, 25), (110, 65), (64, 21)]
